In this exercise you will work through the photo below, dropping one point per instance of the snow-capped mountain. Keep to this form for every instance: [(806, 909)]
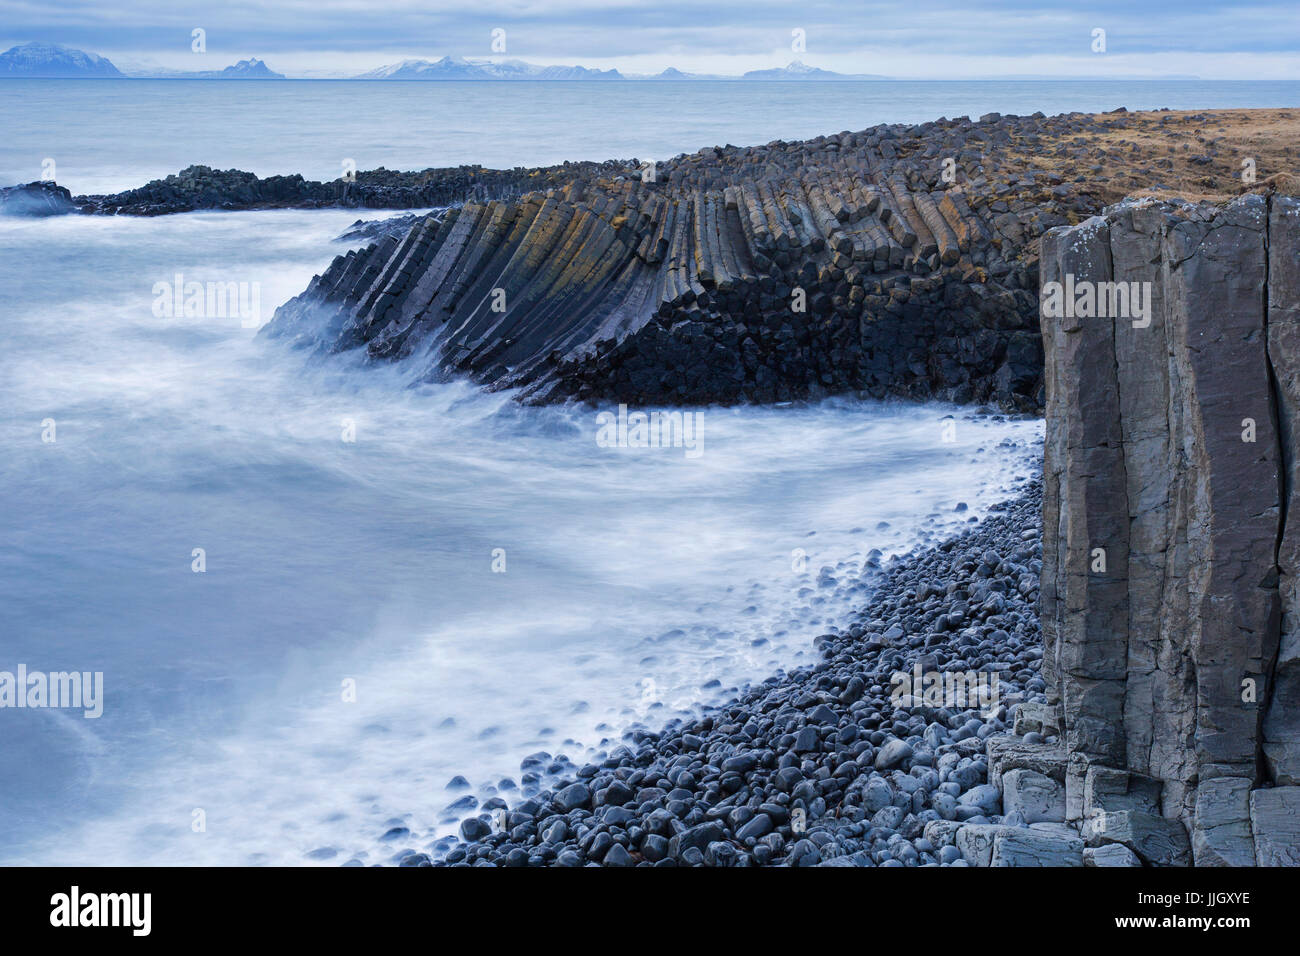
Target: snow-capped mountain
[(459, 68), (802, 71), (245, 69), (52, 60), (251, 69)]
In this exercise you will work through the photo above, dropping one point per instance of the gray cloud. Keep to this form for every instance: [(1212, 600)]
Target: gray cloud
[(670, 32)]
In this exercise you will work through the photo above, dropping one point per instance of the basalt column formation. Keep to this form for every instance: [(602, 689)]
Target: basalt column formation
[(1171, 557), (893, 261), (897, 260)]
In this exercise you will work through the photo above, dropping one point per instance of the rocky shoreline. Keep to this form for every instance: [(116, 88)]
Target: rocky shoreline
[(1144, 711), (200, 188), (892, 261), (820, 766), (899, 260)]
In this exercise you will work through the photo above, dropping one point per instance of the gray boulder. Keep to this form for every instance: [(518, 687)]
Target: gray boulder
[(1156, 840), (975, 841), (1017, 846), (1275, 820), (1037, 797), (1112, 854)]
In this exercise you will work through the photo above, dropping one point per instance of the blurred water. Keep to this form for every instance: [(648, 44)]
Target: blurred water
[(109, 135), (633, 577)]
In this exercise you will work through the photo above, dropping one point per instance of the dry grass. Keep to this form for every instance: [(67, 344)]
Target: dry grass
[(1153, 153)]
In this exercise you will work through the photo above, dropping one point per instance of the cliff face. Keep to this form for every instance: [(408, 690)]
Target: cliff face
[(709, 296), (1171, 558), (891, 261), (888, 261)]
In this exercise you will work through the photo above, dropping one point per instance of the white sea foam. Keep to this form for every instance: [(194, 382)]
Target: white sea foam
[(633, 577)]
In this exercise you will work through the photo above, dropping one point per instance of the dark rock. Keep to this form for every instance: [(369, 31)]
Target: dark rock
[(35, 199)]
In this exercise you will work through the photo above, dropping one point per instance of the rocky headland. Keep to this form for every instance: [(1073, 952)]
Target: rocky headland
[(891, 261), (896, 260), (1132, 276), (201, 187)]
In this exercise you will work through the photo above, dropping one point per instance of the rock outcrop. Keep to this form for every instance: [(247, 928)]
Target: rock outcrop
[(201, 187), (891, 261), (35, 199), (881, 261), (1171, 558)]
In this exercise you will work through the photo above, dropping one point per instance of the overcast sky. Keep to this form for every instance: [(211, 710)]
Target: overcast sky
[(931, 40)]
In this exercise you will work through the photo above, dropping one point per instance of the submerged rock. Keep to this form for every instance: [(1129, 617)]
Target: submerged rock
[(35, 199)]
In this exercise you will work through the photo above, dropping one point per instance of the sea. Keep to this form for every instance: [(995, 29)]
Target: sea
[(324, 601)]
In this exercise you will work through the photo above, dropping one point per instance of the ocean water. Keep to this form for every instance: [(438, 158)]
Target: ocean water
[(403, 582), (109, 135), (465, 583)]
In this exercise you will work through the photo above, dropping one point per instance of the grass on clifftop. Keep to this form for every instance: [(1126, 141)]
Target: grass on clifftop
[(1191, 154)]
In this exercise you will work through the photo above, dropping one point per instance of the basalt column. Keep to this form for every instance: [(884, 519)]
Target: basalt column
[(1171, 544)]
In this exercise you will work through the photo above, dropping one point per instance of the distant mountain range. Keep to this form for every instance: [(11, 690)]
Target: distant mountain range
[(459, 68), (52, 60), (800, 71), (251, 69)]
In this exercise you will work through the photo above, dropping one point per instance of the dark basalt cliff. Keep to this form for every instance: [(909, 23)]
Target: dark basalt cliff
[(201, 187), (893, 261), (1171, 555), (898, 260), (36, 199)]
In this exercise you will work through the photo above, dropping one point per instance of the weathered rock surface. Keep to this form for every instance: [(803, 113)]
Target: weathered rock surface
[(1171, 543), (1037, 797), (1157, 840), (1222, 835), (891, 261), (202, 187), (1112, 854), (1021, 846), (1039, 718), (1007, 753), (1281, 726), (1107, 789), (975, 842), (1275, 820), (35, 199)]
